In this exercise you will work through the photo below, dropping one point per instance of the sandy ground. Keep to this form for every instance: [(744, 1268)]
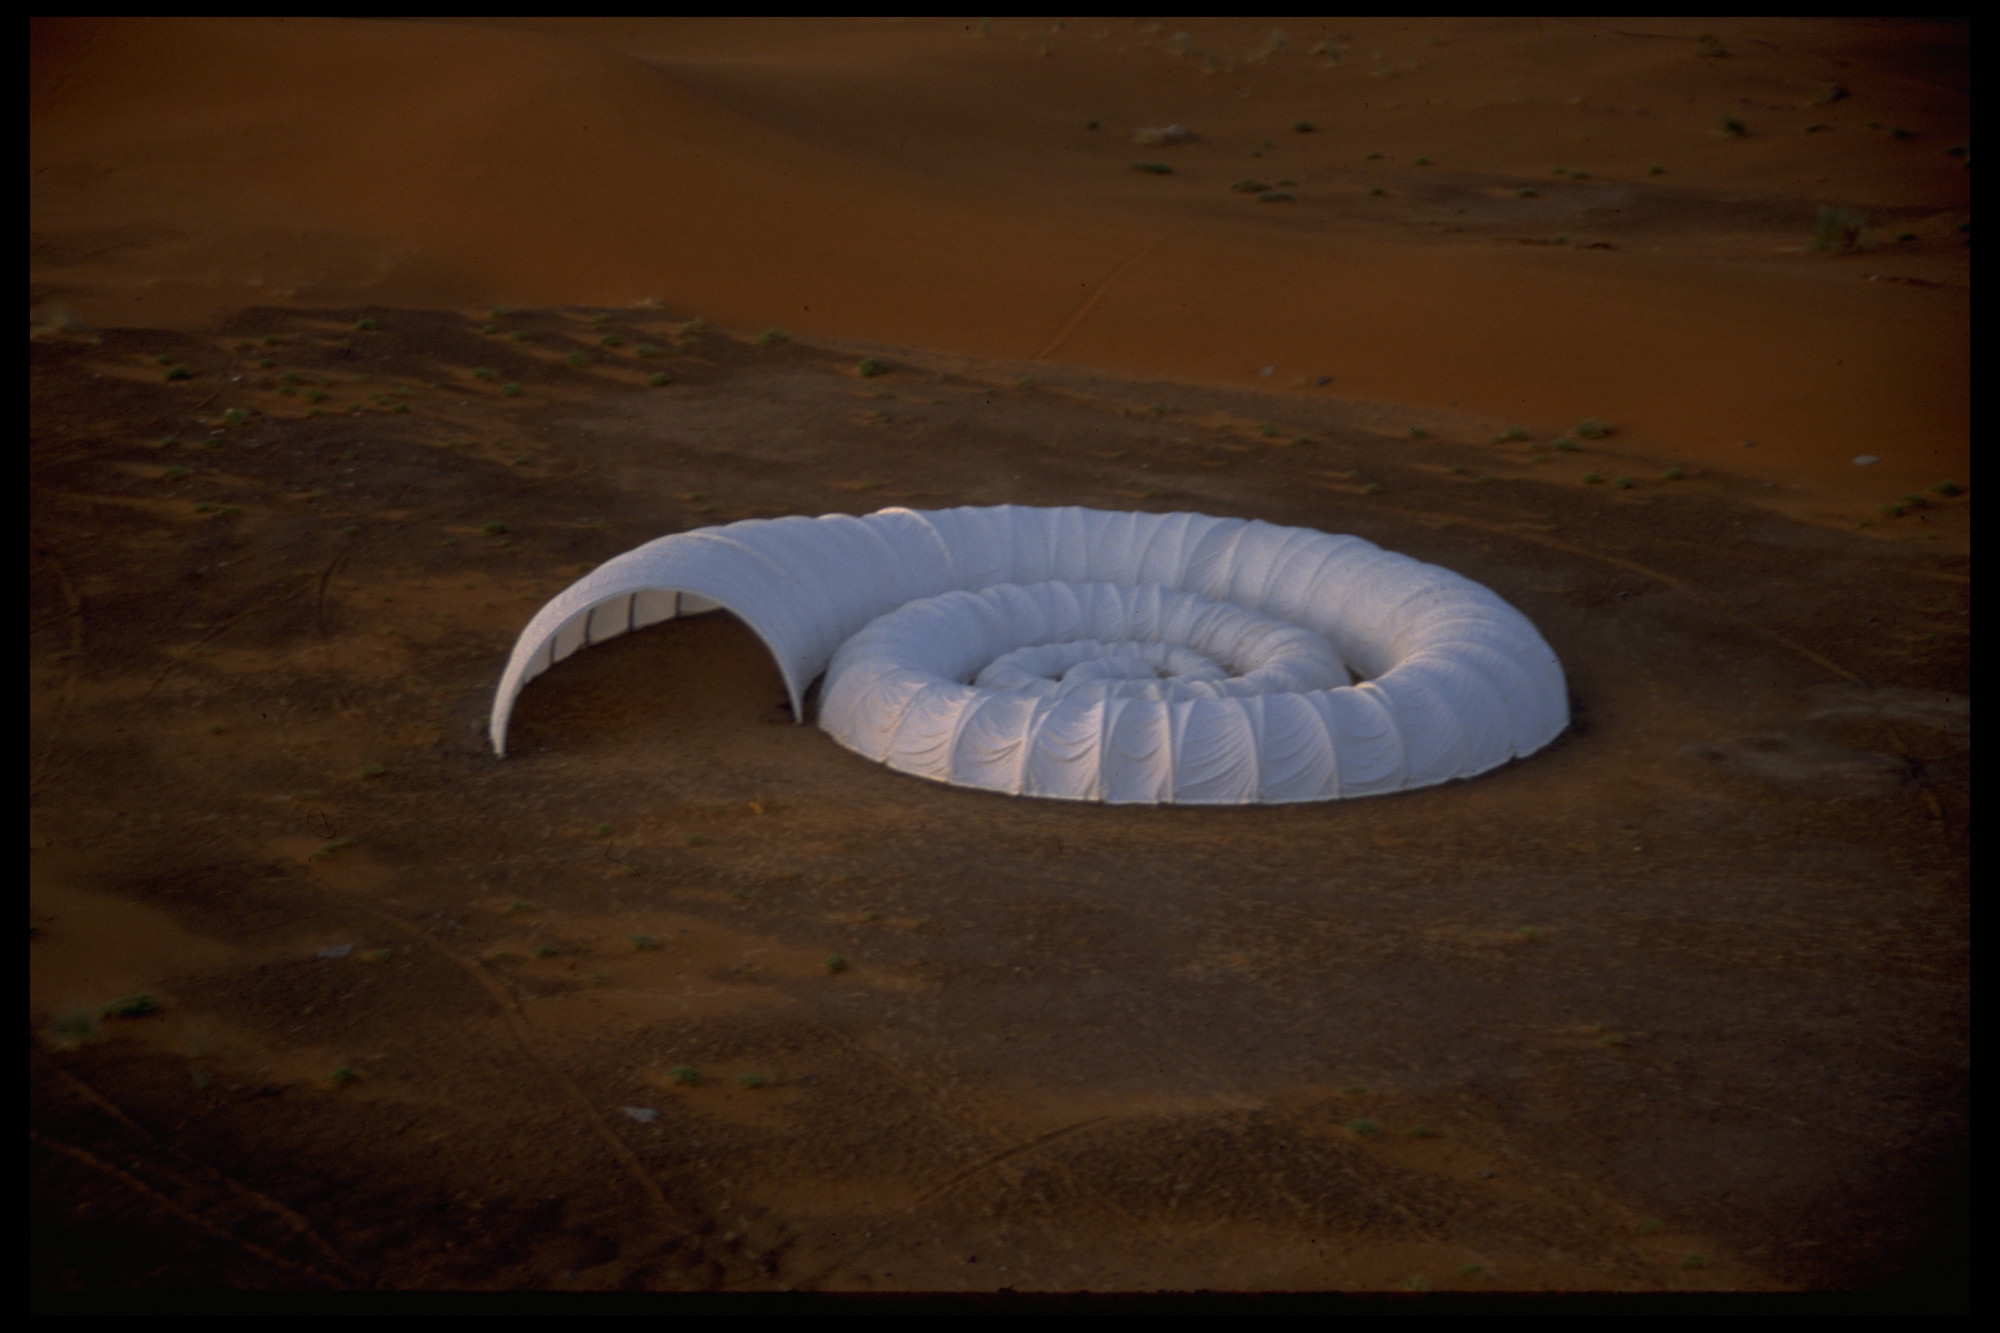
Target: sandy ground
[(353, 341)]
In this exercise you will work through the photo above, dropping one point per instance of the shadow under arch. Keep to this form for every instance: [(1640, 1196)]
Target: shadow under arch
[(613, 617)]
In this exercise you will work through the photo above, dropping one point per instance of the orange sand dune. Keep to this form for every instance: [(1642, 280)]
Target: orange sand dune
[(969, 188)]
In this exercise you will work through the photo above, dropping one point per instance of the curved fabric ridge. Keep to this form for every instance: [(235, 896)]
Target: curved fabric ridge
[(1084, 655)]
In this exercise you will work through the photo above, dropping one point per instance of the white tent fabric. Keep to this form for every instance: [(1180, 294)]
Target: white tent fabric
[(1088, 655)]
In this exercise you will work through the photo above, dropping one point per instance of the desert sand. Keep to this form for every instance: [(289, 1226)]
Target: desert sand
[(352, 341)]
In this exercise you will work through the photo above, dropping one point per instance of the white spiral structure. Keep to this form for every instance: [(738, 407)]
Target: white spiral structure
[(1088, 655)]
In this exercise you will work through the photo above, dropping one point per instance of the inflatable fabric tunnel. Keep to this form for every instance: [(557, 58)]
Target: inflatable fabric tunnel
[(1096, 656)]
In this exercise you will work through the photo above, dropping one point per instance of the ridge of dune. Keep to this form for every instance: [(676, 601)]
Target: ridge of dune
[(929, 185)]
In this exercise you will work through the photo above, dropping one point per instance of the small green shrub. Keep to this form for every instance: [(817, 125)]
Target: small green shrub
[(1673, 474), (73, 1029), (1374, 488), (1423, 161), (343, 1076), (1374, 157), (175, 473), (1378, 193), (684, 1075), (646, 349), (485, 373), (1365, 1129), (611, 340), (1624, 483), (1948, 488), (1303, 127), (1836, 231), (177, 373), (372, 770), (770, 336), (643, 943), (1153, 168), (1592, 479), (510, 390), (495, 529), (835, 963), (578, 358), (1277, 197), (1510, 435), (753, 1081), (869, 368), (132, 1006), (366, 325), (1526, 194), (520, 335), (1419, 433), (658, 380), (520, 905), (1656, 170), (1590, 428)]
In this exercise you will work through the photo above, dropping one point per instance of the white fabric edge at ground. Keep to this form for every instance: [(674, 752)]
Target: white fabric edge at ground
[(1454, 680)]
